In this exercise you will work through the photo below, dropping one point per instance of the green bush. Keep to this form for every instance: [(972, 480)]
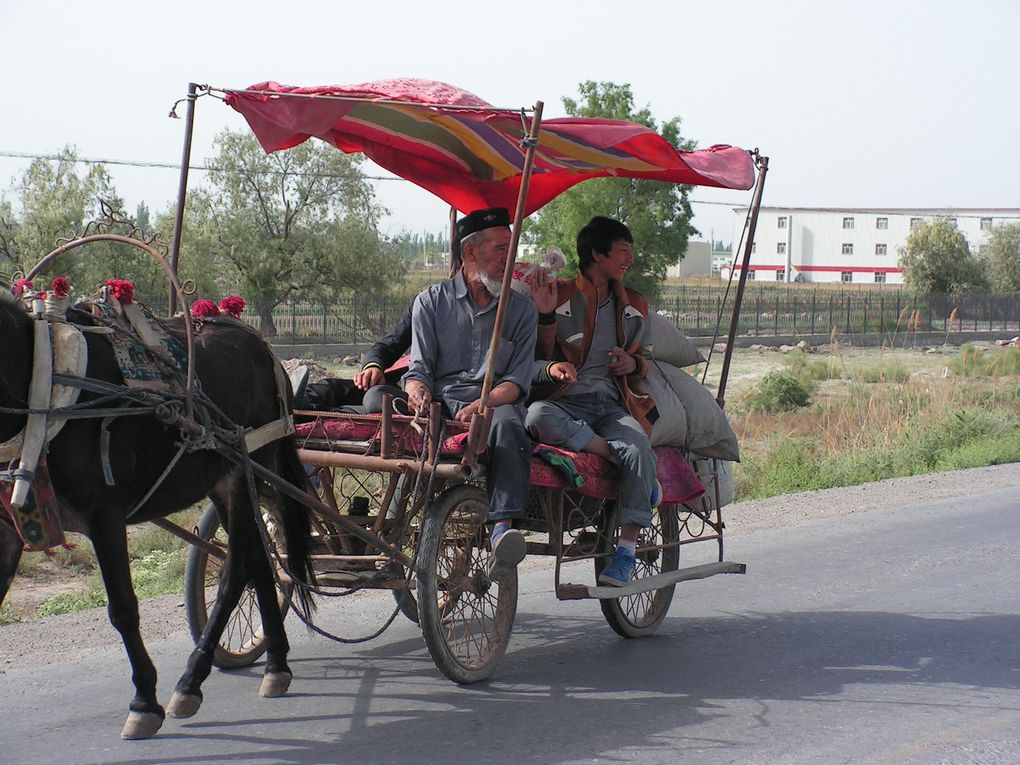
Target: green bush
[(883, 372), (809, 370), (978, 362), (779, 392)]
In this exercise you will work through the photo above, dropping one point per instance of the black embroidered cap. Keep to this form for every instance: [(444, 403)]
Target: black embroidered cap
[(479, 220)]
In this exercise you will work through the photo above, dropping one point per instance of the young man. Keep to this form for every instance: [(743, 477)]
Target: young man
[(590, 343), (452, 324)]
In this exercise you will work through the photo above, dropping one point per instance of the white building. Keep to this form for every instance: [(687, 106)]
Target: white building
[(854, 245)]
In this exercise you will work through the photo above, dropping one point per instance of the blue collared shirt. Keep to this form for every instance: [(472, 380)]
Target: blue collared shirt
[(450, 342)]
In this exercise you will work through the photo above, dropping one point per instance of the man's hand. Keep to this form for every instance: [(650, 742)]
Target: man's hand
[(464, 415), (418, 396), (563, 371), (369, 378), (543, 291), (621, 362)]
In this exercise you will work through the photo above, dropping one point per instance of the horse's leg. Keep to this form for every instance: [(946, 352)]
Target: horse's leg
[(245, 562), (109, 539), (10, 553)]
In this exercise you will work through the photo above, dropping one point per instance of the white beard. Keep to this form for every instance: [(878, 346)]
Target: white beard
[(493, 286)]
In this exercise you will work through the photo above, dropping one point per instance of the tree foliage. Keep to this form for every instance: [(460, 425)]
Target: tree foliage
[(936, 258), (297, 222), (658, 214), (1001, 258), (57, 201)]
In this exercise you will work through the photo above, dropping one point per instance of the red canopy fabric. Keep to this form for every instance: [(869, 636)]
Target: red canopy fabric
[(468, 153)]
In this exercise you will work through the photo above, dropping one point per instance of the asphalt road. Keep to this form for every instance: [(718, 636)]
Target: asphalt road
[(880, 637)]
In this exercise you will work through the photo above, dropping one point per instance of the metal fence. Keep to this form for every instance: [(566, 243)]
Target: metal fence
[(766, 311)]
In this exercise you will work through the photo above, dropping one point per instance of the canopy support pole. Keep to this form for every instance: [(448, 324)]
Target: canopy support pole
[(476, 436), (763, 168), (182, 190)]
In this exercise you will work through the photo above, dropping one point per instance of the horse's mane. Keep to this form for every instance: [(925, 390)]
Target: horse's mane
[(14, 309)]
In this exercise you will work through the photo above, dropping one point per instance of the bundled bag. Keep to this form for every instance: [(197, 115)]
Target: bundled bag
[(708, 432), (671, 345), (710, 471), (524, 273)]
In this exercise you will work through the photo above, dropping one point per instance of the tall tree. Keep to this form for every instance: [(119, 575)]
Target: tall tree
[(658, 214), (936, 258), (1001, 258), (297, 222)]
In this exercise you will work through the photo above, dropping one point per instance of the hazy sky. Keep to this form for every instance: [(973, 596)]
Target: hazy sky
[(857, 104)]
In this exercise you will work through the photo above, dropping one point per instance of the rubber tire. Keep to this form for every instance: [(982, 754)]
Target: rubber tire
[(435, 606), (640, 615), (242, 642)]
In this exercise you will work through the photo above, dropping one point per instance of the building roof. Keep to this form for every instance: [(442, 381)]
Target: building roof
[(1002, 211)]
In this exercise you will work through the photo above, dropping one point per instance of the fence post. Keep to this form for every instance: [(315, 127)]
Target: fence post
[(848, 313), (775, 331), (867, 304), (697, 315), (814, 308), (324, 336), (881, 315)]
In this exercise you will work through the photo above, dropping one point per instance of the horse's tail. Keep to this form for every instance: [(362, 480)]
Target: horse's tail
[(297, 524)]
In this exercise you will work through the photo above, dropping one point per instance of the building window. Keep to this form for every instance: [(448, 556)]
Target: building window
[(781, 275), (750, 274), (882, 223), (848, 248), (879, 277), (848, 222), (846, 276), (880, 249), (915, 222), (780, 248), (986, 224), (781, 222)]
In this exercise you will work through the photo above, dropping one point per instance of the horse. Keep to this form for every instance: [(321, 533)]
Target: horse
[(236, 372)]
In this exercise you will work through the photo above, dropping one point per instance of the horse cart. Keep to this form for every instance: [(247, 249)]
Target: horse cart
[(397, 502)]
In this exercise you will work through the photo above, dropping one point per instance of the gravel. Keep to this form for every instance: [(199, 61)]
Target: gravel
[(76, 635)]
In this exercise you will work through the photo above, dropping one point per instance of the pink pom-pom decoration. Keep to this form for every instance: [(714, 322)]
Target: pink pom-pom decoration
[(21, 286), (60, 287), (204, 309), (233, 305), (122, 289)]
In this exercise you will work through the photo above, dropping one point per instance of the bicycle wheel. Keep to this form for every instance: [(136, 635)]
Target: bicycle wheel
[(242, 642), (465, 618), (640, 615)]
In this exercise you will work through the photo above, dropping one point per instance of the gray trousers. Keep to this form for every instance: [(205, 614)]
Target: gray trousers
[(571, 423)]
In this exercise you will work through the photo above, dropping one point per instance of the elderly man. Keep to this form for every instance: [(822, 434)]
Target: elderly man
[(452, 323)]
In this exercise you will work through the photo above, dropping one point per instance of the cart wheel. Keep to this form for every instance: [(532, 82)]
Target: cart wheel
[(242, 642), (640, 615), (466, 619)]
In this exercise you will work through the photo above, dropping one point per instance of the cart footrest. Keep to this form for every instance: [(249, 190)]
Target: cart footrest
[(646, 584)]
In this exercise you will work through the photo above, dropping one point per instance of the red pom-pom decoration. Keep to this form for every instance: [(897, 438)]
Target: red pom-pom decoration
[(61, 287), (233, 305), (122, 289), (204, 309), (21, 286)]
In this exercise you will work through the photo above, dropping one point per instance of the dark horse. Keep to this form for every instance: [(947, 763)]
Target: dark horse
[(236, 372)]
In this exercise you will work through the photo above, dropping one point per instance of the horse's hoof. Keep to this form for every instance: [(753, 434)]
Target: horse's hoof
[(183, 705), (275, 684), (141, 725)]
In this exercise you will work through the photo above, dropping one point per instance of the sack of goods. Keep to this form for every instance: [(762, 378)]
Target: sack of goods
[(688, 413)]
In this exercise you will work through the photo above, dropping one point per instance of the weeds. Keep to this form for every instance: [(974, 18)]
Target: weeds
[(779, 392)]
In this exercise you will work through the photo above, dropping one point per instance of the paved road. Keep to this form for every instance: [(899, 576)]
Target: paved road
[(882, 637)]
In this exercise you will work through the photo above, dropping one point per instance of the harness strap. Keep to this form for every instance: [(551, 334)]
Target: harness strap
[(38, 397)]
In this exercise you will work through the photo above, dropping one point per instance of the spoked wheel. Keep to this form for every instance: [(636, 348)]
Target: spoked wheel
[(640, 615), (242, 642), (466, 619)]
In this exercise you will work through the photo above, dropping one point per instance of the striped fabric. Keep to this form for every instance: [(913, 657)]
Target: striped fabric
[(469, 153)]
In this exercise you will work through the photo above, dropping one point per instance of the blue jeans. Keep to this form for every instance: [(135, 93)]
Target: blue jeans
[(573, 421)]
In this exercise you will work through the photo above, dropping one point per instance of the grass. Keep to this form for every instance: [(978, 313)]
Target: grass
[(882, 420), (157, 568)]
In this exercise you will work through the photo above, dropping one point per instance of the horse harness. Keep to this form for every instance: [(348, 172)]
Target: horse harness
[(151, 367)]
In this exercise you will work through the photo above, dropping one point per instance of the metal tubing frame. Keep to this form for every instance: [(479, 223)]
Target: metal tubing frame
[(182, 189), (763, 167)]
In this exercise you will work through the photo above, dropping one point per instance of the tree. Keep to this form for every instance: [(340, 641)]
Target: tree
[(937, 259), (1001, 258), (658, 214), (296, 222)]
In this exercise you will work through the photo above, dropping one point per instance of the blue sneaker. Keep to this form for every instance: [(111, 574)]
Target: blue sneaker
[(620, 569)]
